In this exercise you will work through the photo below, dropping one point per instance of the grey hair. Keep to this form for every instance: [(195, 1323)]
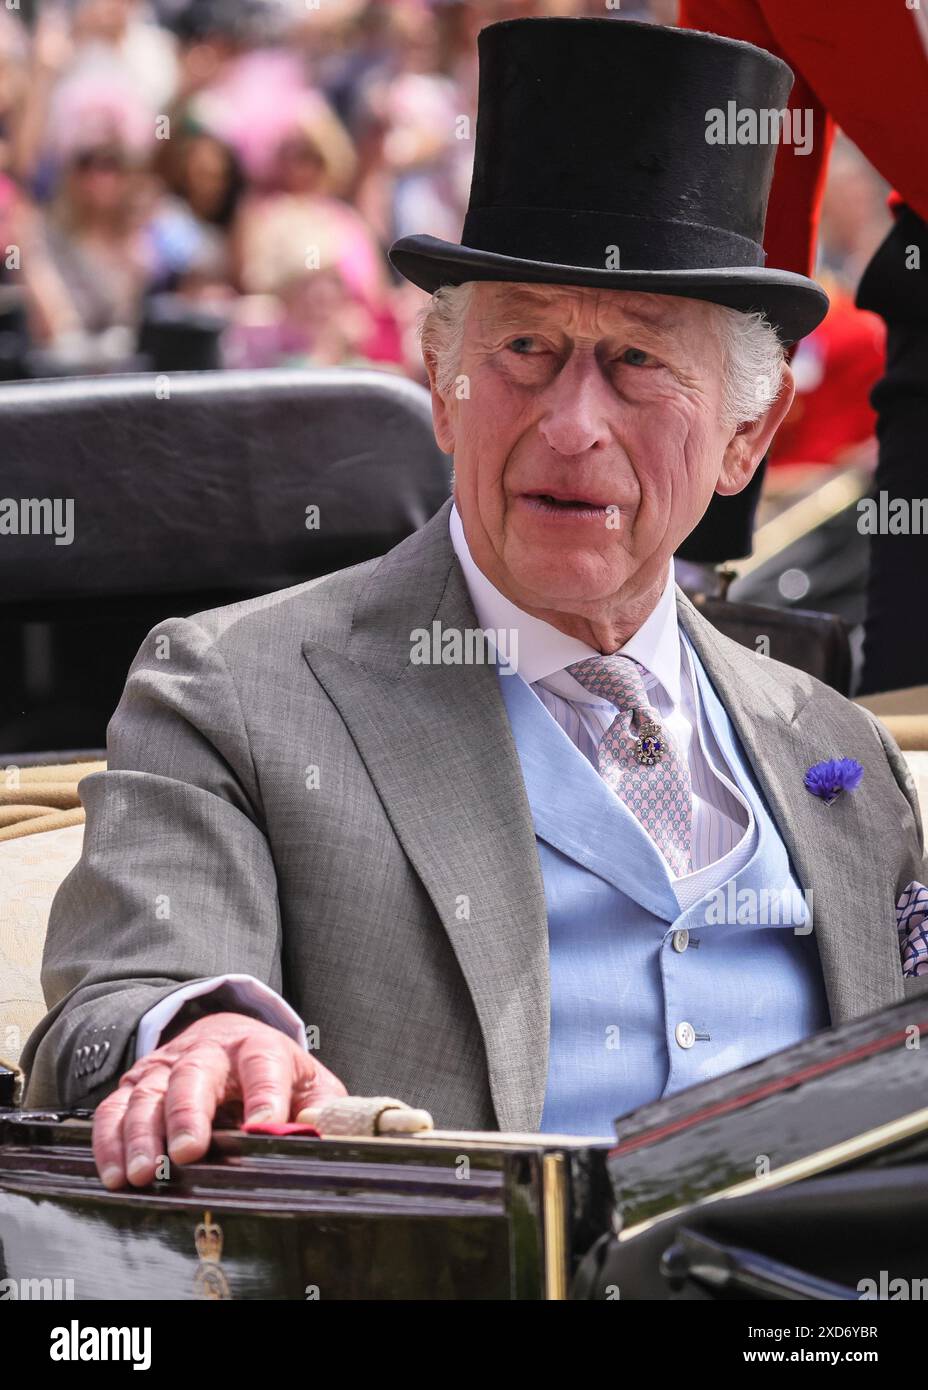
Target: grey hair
[(754, 362), (441, 331), (753, 354)]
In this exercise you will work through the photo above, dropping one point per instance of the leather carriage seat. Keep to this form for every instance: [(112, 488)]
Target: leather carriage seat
[(817, 643), (187, 490)]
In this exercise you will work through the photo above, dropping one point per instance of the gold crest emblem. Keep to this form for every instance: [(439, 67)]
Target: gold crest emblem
[(210, 1280)]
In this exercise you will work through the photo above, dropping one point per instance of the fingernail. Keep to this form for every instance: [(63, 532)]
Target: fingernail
[(111, 1176), (184, 1140), (138, 1166), (259, 1116)]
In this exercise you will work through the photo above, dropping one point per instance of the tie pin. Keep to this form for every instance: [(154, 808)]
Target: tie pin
[(651, 746)]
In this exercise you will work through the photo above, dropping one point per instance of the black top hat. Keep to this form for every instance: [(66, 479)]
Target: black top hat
[(592, 167)]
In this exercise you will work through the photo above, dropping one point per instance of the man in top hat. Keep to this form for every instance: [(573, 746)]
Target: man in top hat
[(539, 880)]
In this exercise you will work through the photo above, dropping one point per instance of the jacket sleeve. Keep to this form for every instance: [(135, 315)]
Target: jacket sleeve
[(176, 881), (916, 864), (906, 784)]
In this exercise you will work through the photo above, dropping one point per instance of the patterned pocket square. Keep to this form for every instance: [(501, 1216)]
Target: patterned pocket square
[(912, 925)]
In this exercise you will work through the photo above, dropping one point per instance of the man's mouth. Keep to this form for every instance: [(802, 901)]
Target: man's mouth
[(565, 502)]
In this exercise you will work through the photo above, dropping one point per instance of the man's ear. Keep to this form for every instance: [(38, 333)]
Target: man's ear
[(750, 442), (442, 416)]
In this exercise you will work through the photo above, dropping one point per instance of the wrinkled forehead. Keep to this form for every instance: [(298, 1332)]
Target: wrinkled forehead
[(563, 305)]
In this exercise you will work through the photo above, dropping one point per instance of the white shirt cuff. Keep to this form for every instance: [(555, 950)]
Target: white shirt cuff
[(246, 989)]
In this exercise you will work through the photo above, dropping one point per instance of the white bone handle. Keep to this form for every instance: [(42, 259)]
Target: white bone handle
[(364, 1115)]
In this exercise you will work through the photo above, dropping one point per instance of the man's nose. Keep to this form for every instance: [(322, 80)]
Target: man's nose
[(575, 417)]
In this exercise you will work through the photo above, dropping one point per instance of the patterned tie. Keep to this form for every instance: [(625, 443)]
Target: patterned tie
[(637, 758)]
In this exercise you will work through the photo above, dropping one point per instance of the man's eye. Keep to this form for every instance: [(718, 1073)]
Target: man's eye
[(517, 345), (636, 357)]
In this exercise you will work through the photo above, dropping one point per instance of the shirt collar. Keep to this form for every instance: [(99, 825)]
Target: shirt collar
[(544, 651)]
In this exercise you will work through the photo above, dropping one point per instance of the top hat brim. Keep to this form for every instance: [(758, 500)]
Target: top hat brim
[(793, 304)]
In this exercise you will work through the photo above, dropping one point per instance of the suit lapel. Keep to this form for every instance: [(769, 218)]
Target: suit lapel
[(438, 746), (784, 729)]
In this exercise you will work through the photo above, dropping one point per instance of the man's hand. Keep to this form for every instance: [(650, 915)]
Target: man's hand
[(173, 1094)]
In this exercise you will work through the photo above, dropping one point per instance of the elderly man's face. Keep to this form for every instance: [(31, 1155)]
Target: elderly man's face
[(590, 442)]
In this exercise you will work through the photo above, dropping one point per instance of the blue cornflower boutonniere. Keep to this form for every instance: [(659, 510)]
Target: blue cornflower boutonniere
[(830, 778)]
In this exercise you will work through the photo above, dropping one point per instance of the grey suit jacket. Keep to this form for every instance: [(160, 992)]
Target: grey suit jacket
[(289, 796)]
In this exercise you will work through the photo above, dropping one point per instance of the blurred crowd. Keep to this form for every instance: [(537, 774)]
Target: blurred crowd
[(190, 183)]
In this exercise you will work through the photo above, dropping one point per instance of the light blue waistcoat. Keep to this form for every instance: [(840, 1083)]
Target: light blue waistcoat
[(622, 989)]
